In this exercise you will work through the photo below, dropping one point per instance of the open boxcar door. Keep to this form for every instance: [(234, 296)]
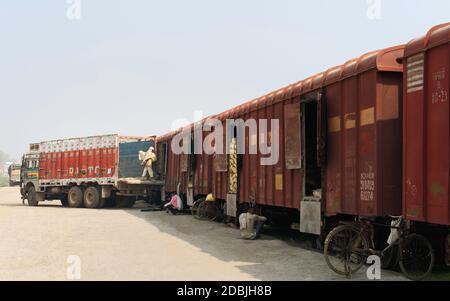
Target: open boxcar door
[(313, 138)]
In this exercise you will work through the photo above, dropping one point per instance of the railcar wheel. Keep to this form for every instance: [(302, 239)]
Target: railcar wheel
[(346, 250), (92, 197), (75, 197), (416, 257)]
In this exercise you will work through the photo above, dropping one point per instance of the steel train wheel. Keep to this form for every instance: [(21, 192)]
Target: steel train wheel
[(416, 257), (346, 250)]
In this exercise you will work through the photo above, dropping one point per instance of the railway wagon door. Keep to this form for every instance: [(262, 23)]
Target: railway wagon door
[(188, 172), (313, 131)]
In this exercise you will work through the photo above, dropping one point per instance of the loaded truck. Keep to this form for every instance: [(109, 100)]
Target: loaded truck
[(14, 174), (90, 172)]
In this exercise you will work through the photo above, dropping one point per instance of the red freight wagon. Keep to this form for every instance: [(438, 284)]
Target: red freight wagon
[(87, 171), (363, 170), (427, 128), (422, 235), (350, 112), (171, 171), (189, 175)]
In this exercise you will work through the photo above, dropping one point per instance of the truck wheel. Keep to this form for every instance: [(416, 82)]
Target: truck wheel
[(92, 197), (32, 197), (75, 197)]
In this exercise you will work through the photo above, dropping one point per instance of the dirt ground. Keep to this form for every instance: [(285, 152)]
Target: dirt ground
[(113, 244)]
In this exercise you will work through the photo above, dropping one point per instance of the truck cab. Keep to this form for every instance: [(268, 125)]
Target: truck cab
[(29, 176)]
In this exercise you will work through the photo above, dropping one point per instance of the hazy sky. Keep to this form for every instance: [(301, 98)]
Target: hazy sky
[(132, 67)]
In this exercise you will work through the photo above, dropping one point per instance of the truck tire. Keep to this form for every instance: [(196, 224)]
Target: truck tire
[(32, 197), (92, 197), (75, 197)]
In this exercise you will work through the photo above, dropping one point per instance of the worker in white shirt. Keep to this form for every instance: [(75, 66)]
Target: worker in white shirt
[(147, 159)]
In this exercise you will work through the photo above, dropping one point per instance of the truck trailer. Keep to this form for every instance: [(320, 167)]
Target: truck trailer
[(14, 174), (91, 172)]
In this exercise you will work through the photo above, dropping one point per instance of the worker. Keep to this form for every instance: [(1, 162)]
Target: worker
[(251, 224), (175, 205), (147, 159)]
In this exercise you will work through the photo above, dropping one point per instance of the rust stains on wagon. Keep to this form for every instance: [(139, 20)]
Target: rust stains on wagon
[(363, 172)]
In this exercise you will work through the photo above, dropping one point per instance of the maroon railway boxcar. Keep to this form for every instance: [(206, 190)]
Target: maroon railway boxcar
[(361, 141), (426, 128), (363, 173), (189, 175), (426, 131), (350, 112)]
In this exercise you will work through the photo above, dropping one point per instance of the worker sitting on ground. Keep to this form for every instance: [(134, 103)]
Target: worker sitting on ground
[(175, 205), (147, 159), (251, 224)]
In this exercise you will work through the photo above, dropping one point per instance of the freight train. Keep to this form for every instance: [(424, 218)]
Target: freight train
[(368, 139)]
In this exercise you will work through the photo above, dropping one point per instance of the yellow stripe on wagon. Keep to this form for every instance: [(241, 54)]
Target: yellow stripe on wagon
[(350, 121), (334, 124), (367, 116)]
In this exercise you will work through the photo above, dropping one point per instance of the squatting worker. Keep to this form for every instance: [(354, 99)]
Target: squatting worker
[(175, 204), (251, 224), (147, 161)]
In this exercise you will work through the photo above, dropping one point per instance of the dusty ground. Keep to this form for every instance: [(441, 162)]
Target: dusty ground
[(133, 245)]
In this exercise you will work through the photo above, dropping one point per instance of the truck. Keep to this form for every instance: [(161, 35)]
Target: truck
[(91, 172), (14, 174)]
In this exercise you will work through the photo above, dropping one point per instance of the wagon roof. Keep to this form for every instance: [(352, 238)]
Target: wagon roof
[(167, 137), (381, 60), (436, 36)]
